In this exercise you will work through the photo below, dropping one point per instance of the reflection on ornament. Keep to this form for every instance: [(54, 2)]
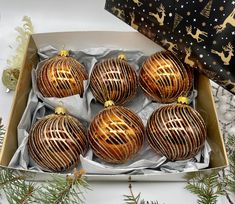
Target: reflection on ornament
[(56, 142), (164, 78), (116, 134), (176, 131), (61, 76), (113, 79)]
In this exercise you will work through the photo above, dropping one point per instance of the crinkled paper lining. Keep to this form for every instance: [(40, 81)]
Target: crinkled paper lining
[(146, 161)]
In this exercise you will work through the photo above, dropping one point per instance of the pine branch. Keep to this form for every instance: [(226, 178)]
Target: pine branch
[(207, 187), (65, 191), (132, 199), (15, 187), (230, 177)]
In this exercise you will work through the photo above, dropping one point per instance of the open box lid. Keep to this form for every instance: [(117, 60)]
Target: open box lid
[(200, 33)]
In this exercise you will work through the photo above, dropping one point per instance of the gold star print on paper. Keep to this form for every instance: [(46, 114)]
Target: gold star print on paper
[(214, 63), (221, 8)]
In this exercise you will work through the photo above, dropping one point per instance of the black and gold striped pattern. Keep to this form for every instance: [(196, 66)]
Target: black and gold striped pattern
[(113, 80), (61, 76), (56, 141), (164, 78), (116, 134), (176, 131)]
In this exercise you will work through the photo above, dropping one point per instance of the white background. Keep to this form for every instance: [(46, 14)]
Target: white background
[(75, 15)]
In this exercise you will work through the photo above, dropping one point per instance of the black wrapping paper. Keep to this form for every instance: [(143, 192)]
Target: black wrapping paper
[(200, 32)]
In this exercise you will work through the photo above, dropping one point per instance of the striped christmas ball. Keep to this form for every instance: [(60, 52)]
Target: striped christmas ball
[(114, 80), (56, 141), (116, 134), (164, 78), (61, 76), (176, 131)]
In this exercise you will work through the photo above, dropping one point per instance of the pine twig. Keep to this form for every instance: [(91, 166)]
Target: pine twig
[(207, 187), (132, 199), (15, 187), (65, 191)]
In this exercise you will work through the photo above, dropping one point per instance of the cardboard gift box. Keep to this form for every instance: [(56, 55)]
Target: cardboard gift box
[(112, 40), (201, 33)]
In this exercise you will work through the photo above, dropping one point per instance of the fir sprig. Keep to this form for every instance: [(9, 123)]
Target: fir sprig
[(15, 187), (207, 187), (56, 191), (230, 177), (132, 199), (65, 191)]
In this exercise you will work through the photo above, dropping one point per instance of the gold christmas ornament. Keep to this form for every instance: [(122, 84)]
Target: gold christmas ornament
[(56, 141), (176, 131), (114, 80), (116, 134), (61, 76), (164, 78)]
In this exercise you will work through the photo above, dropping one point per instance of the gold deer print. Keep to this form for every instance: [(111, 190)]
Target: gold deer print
[(171, 47), (161, 11), (196, 36), (138, 2), (228, 48), (133, 25), (119, 12), (229, 20), (188, 52)]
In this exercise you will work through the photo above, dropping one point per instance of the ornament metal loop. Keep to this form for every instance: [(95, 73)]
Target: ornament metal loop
[(60, 110), (183, 100), (64, 53), (108, 103), (122, 56)]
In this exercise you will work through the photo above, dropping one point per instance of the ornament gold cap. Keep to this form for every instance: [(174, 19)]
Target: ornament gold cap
[(122, 56), (60, 110), (183, 100), (64, 53), (108, 103)]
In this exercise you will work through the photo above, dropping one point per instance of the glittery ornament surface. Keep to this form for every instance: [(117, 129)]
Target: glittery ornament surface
[(116, 134), (56, 142), (164, 78), (113, 80), (176, 131), (61, 76)]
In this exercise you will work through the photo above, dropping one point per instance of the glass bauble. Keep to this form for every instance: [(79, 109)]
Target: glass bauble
[(56, 142), (116, 134), (164, 78), (176, 131), (61, 76)]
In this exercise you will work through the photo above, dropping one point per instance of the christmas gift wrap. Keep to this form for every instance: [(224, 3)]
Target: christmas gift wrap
[(200, 32)]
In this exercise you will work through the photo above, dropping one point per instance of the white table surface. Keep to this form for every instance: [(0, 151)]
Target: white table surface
[(75, 15)]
